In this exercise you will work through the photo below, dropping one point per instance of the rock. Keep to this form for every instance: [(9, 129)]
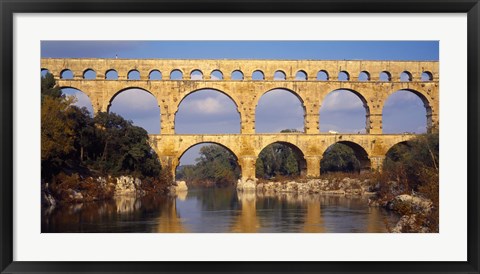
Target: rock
[(247, 185), (48, 200), (416, 203), (408, 223), (126, 185), (74, 195), (181, 186)]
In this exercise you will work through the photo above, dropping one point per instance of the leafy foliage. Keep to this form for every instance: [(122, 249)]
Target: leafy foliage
[(415, 166), (73, 140), (277, 160), (339, 158), (215, 166)]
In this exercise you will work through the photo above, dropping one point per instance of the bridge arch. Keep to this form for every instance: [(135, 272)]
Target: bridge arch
[(427, 104), (258, 111), (406, 76), (279, 75), (83, 98), (237, 75), (111, 74), (187, 147), (67, 74), (196, 74), (360, 152), (89, 74), (359, 95), (211, 107), (297, 151), (138, 105), (114, 95), (216, 75), (385, 76), (301, 75), (323, 75), (426, 76), (364, 76), (154, 75)]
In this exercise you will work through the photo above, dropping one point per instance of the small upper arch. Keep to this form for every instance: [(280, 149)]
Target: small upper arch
[(364, 76), (343, 76), (427, 76), (405, 76), (385, 76), (154, 74), (301, 75), (66, 74), (196, 74), (176, 74), (279, 75), (258, 75), (111, 74), (237, 75), (322, 75), (133, 74), (216, 75), (89, 74)]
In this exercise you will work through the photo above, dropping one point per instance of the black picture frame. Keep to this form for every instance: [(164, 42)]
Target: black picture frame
[(9, 7)]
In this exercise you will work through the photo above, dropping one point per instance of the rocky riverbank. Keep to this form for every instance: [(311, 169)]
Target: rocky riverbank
[(345, 186), (75, 189)]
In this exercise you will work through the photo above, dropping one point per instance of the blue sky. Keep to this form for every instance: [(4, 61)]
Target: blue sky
[(208, 111)]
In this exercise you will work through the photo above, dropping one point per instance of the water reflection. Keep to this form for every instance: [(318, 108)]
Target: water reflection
[(247, 221), (220, 210)]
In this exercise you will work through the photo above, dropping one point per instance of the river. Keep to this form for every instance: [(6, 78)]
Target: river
[(220, 210)]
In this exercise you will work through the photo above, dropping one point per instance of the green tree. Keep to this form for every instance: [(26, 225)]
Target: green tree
[(277, 159), (339, 158)]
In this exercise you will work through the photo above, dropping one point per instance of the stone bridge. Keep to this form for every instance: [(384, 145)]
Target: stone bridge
[(244, 82)]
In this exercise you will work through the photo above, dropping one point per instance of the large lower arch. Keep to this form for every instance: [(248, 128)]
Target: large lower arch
[(207, 111), (194, 157), (359, 151), (401, 109), (284, 170), (138, 105), (82, 98), (279, 109), (340, 112)]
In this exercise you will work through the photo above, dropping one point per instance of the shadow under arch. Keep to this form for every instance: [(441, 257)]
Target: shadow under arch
[(297, 153), (362, 99), (226, 93), (182, 153), (426, 103), (359, 151), (392, 152)]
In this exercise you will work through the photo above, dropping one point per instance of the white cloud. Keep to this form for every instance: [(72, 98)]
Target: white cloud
[(402, 98), (207, 105), (341, 100), (196, 76)]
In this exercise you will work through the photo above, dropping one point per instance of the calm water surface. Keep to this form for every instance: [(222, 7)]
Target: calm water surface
[(220, 210)]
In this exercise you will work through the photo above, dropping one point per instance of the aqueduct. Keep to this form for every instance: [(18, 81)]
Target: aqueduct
[(372, 81)]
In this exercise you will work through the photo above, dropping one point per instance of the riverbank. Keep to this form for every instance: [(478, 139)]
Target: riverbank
[(79, 189)]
